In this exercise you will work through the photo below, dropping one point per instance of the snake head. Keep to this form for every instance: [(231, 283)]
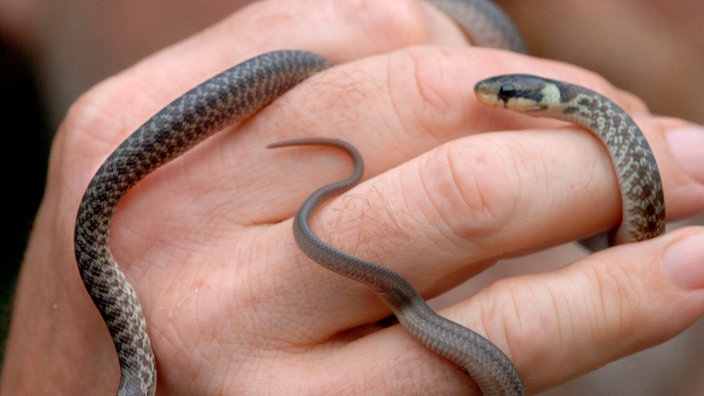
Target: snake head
[(519, 92)]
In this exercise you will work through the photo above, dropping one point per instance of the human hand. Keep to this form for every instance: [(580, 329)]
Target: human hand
[(233, 306)]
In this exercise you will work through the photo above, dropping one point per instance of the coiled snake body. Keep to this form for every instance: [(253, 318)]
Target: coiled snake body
[(642, 197), (239, 93), (224, 99)]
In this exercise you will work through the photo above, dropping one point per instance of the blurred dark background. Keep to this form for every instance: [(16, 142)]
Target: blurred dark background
[(27, 135)]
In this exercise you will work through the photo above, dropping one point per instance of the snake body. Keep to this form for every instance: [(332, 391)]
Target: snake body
[(229, 97), (484, 22), (642, 198)]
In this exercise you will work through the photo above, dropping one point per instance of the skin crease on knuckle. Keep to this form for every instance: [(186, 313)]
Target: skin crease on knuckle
[(374, 26), (472, 175), (385, 20), (497, 176)]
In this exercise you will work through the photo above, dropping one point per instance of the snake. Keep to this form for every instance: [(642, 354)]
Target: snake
[(228, 98)]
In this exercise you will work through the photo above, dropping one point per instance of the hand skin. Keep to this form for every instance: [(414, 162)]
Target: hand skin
[(451, 186)]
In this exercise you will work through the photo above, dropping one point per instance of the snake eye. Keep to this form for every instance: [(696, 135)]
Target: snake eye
[(506, 92)]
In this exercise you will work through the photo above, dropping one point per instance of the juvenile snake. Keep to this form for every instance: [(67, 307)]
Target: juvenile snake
[(227, 98)]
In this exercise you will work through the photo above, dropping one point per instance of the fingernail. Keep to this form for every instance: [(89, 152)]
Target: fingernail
[(684, 261), (687, 144)]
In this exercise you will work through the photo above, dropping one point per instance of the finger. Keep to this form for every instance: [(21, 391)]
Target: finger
[(679, 147), (604, 307), (555, 326)]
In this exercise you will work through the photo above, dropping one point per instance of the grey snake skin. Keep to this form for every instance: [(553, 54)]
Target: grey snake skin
[(227, 98)]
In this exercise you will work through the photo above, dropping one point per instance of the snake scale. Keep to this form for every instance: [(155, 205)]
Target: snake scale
[(239, 93)]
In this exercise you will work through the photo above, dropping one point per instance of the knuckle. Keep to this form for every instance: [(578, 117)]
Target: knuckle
[(487, 191), (428, 89), (98, 120), (92, 117), (398, 23)]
